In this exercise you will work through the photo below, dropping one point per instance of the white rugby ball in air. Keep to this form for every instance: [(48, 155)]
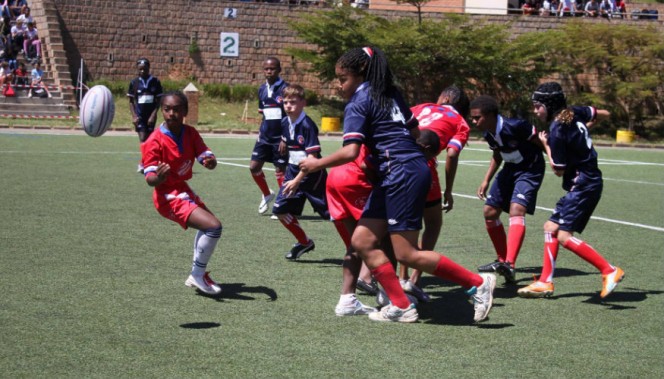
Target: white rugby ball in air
[(97, 111)]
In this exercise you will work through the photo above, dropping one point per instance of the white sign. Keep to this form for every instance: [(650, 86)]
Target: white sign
[(230, 12), (230, 44)]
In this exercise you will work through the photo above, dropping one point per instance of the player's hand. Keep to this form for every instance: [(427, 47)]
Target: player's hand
[(481, 191), (163, 170), (309, 165), (136, 120), (210, 162), (448, 201), (283, 149), (290, 187), (544, 137)]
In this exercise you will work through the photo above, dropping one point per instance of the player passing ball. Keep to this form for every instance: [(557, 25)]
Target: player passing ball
[(376, 115), (169, 155)]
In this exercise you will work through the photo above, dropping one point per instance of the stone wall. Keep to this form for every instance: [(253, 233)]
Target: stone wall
[(111, 34)]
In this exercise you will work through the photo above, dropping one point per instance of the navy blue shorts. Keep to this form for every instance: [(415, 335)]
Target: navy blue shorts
[(573, 210), (518, 187), (312, 188), (401, 196), (268, 153), (144, 127)]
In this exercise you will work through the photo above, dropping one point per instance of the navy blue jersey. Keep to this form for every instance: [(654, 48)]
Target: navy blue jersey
[(146, 94), (383, 131), (301, 138), (271, 106), (572, 149), (512, 140)]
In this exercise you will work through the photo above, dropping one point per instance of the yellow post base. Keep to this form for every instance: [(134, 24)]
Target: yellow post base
[(625, 136), (330, 124)]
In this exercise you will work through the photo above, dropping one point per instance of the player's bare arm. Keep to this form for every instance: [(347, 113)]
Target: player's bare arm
[(344, 155), (162, 172)]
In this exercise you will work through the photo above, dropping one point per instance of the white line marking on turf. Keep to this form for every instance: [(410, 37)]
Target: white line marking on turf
[(655, 228)]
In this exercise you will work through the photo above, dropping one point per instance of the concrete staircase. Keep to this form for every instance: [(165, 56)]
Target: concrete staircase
[(56, 71)]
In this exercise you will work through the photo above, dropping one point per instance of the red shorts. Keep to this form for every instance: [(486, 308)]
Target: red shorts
[(435, 193), (177, 203), (346, 196)]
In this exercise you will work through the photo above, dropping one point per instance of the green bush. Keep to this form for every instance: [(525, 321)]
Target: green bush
[(117, 88), (243, 92), (218, 91)]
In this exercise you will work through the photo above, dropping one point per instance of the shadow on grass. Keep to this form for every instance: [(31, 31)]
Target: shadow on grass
[(452, 307), (200, 325), (624, 295), (238, 291), (327, 262)]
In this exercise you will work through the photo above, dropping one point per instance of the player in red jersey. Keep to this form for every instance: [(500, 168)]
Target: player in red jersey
[(446, 119), (348, 189), (168, 157)]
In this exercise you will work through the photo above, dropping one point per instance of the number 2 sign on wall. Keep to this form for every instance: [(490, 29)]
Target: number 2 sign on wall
[(230, 44)]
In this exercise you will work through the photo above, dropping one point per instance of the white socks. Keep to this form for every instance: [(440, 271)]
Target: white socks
[(204, 244)]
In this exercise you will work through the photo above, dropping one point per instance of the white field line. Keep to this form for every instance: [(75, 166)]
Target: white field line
[(643, 226)]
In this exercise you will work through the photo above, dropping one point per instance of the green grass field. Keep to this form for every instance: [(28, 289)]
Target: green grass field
[(92, 279)]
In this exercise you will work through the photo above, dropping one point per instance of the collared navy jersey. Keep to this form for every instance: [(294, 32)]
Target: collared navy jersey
[(146, 94), (572, 148), (301, 138), (383, 131), (512, 140), (271, 106)]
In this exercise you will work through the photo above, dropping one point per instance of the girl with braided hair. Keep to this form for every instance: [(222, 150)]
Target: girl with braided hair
[(377, 116), (572, 156)]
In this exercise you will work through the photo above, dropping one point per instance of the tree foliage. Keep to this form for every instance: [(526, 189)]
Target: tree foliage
[(482, 58), (627, 64)]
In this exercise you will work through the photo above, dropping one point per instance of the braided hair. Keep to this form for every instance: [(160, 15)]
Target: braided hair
[(457, 98), (370, 63)]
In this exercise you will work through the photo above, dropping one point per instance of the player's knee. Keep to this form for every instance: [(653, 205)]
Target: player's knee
[(491, 213), (214, 231), (550, 227)]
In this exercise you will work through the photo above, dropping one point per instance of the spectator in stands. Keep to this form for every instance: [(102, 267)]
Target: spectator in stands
[(566, 8), (5, 77), (25, 16), (32, 40), (606, 9), (545, 10), (37, 82), (21, 75), (15, 7), (18, 35), (591, 9), (621, 8), (529, 7)]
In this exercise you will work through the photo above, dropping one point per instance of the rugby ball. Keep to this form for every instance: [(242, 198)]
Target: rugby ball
[(97, 111)]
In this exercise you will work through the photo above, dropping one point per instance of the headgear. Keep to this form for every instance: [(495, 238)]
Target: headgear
[(143, 61), (550, 95)]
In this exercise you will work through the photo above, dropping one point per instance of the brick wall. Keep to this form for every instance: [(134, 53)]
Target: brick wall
[(111, 34)]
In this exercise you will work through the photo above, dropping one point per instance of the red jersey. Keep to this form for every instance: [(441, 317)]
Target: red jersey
[(446, 122), (348, 188), (179, 153), (173, 198)]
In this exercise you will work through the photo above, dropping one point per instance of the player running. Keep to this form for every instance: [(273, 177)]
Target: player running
[(169, 155), (514, 142), (300, 135), (572, 156)]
